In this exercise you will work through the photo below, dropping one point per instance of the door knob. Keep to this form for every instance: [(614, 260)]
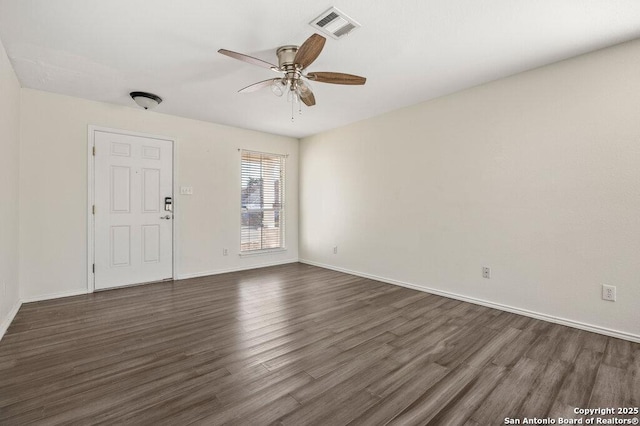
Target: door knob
[(167, 217)]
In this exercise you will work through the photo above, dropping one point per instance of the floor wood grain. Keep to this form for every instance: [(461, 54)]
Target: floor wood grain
[(298, 345)]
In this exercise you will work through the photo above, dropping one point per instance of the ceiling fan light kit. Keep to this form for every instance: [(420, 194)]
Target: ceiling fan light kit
[(292, 62), (278, 86), (146, 100)]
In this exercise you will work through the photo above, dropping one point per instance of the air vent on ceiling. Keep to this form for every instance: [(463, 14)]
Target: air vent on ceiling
[(334, 23)]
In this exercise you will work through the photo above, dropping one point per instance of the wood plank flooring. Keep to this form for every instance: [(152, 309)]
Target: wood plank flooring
[(299, 345)]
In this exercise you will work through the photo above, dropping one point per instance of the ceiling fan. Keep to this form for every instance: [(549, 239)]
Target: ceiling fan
[(292, 63)]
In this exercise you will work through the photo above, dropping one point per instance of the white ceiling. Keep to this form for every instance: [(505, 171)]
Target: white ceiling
[(410, 51)]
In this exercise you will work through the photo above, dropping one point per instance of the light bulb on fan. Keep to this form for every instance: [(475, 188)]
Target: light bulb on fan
[(292, 94), (303, 88), (278, 86)]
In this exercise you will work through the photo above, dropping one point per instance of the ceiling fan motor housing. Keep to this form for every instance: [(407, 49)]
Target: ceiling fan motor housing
[(286, 55), (286, 58)]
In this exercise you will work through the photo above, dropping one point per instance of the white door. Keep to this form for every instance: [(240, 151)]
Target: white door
[(133, 228)]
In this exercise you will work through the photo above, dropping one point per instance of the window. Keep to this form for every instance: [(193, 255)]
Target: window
[(262, 202)]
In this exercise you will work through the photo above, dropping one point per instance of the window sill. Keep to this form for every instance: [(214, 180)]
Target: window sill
[(262, 252)]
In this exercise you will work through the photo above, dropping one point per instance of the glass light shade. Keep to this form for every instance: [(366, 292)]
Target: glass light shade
[(303, 88), (293, 94), (277, 87), (146, 100)]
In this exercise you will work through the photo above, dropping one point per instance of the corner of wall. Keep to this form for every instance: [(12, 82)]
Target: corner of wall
[(4, 325), (10, 176)]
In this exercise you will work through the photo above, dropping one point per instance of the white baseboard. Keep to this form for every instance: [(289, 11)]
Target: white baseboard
[(537, 315), (225, 271), (50, 296), (4, 326)]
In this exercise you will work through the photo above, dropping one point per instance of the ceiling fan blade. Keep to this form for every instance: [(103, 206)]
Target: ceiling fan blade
[(309, 51), (257, 86), (306, 95), (248, 59), (308, 100), (336, 78)]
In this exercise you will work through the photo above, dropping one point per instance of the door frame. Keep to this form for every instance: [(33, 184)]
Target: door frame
[(92, 129)]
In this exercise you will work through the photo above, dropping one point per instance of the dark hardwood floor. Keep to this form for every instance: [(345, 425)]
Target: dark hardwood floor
[(298, 345)]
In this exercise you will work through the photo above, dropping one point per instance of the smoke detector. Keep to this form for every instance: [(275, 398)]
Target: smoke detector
[(334, 23)]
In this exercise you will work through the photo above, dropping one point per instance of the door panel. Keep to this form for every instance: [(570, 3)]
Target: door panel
[(120, 189), (133, 232), (151, 190), (151, 243), (150, 152), (120, 245)]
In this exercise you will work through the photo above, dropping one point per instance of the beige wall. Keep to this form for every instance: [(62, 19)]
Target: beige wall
[(9, 175), (53, 190), (536, 176)]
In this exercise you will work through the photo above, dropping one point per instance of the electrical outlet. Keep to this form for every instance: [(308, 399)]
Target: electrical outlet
[(335, 250), (486, 272), (186, 190), (225, 252), (609, 292)]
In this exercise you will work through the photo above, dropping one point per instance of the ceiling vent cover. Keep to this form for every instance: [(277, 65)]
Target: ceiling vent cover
[(334, 23)]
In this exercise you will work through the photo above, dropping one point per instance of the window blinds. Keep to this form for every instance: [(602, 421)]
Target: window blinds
[(262, 201)]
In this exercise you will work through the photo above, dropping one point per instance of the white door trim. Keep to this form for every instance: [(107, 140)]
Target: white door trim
[(91, 197)]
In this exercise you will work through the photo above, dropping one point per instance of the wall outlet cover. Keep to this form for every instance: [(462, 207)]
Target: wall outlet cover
[(486, 272), (609, 292)]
